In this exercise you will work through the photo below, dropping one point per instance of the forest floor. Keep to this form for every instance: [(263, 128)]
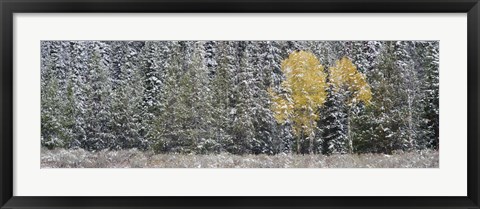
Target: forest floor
[(61, 158)]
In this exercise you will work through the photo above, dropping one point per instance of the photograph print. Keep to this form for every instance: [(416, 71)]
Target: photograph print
[(239, 104)]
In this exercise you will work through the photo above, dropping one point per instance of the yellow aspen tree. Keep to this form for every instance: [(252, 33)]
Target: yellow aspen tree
[(347, 80), (302, 93)]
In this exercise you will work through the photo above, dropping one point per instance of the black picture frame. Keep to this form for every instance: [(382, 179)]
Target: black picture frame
[(9, 7)]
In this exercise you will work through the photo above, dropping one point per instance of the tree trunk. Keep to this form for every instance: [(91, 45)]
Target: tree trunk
[(298, 141), (311, 136), (349, 136)]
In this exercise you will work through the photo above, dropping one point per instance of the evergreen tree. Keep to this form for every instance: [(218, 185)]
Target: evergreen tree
[(428, 61), (97, 104), (50, 122), (58, 105), (222, 100), (386, 132), (127, 99), (282, 134), (413, 95), (243, 127)]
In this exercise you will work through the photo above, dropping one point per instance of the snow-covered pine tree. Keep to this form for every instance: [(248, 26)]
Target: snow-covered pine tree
[(411, 88), (222, 90), (199, 97), (427, 56), (211, 56), (151, 68), (58, 102), (161, 131), (387, 130), (282, 134), (97, 89), (366, 57), (333, 124), (334, 139), (50, 119), (349, 90), (185, 120), (243, 128), (127, 97), (261, 76)]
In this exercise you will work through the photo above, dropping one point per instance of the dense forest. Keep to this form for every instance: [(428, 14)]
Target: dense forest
[(240, 97)]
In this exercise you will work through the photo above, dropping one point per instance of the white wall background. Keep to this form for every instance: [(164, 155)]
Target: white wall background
[(449, 179)]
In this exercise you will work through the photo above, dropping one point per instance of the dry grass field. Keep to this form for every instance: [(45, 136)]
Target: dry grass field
[(61, 158)]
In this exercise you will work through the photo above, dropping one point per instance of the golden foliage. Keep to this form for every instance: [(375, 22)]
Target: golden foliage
[(345, 77), (304, 91)]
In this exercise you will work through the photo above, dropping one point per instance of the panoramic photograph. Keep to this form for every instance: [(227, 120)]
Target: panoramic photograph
[(239, 104)]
